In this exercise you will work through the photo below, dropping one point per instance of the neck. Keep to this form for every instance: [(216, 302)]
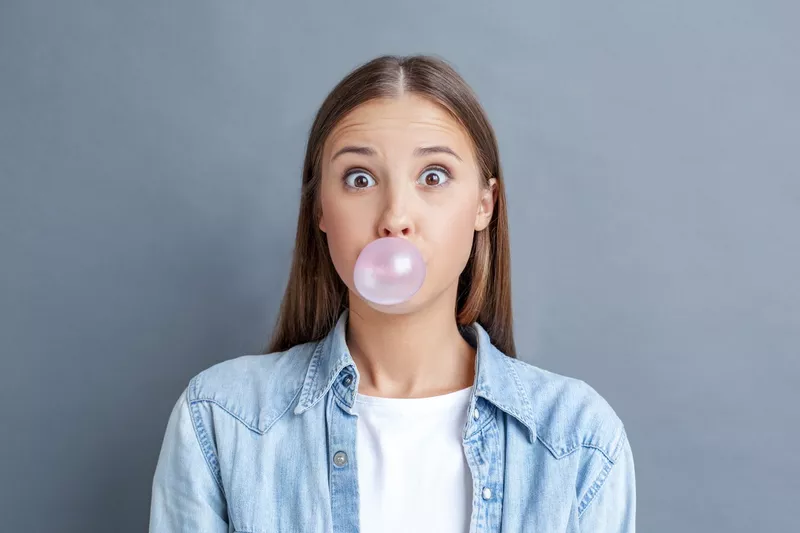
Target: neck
[(412, 355)]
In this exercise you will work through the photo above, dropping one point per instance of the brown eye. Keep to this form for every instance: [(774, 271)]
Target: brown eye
[(435, 177), (358, 179)]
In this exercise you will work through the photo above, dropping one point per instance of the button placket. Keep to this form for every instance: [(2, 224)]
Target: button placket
[(343, 477), (484, 456), (340, 459)]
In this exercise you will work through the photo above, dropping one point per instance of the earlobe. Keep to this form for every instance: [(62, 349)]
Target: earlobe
[(482, 220), (486, 205)]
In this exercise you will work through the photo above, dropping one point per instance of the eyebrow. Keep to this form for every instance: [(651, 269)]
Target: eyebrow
[(435, 150), (419, 152)]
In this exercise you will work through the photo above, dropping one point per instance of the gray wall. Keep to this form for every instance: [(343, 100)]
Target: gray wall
[(150, 156)]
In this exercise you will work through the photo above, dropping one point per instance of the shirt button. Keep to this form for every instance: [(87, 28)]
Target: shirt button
[(476, 414), (487, 493), (340, 459), (347, 381)]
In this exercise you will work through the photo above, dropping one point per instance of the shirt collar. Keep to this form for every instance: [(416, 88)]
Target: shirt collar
[(496, 378)]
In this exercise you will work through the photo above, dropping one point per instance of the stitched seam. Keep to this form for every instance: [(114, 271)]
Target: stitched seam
[(291, 403), (205, 443), (613, 453), (601, 478), (339, 396), (514, 412), (489, 418), (621, 440), (476, 498), (601, 450), (250, 425), (556, 453), (522, 394), (497, 487), (315, 363), (234, 415), (594, 489)]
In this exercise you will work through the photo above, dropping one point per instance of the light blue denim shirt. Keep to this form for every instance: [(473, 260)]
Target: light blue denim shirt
[(267, 444)]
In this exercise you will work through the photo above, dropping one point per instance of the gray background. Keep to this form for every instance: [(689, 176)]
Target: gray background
[(150, 157)]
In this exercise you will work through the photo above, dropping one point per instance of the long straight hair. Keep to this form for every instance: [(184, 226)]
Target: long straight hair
[(315, 295)]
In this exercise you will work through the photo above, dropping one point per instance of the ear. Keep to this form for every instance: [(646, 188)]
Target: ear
[(486, 205), (322, 224)]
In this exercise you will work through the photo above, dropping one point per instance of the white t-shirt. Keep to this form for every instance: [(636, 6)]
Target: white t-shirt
[(412, 472)]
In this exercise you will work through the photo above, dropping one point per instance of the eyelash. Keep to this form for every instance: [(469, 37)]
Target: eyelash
[(440, 168)]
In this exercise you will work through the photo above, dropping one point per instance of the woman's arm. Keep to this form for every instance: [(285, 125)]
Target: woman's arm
[(187, 494), (609, 502)]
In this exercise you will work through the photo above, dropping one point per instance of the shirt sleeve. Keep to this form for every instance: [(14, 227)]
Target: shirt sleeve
[(187, 494), (612, 507)]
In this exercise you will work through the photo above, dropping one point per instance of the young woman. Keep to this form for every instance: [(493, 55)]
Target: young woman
[(413, 416)]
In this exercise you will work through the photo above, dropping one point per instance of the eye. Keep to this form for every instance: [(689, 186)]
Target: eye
[(435, 177), (358, 179)]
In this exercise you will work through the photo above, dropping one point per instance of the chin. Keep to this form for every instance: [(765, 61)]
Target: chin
[(404, 308), (414, 304)]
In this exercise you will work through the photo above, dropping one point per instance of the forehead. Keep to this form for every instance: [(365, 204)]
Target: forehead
[(410, 117)]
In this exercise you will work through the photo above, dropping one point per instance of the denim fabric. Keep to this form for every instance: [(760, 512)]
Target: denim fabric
[(250, 446)]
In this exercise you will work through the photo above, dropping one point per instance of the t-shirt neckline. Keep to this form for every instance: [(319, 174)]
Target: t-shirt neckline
[(440, 400)]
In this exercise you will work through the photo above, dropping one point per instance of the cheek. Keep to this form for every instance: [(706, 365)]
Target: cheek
[(346, 237), (452, 240)]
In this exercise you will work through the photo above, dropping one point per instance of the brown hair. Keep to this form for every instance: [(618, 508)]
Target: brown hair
[(315, 294)]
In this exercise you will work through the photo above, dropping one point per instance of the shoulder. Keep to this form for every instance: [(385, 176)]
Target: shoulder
[(255, 389), (568, 412)]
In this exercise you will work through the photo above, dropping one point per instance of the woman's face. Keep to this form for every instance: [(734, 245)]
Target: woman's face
[(403, 167)]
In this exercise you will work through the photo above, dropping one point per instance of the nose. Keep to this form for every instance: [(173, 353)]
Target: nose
[(395, 220), (394, 224)]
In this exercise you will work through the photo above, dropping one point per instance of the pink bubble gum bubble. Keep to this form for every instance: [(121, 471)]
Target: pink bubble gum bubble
[(389, 271)]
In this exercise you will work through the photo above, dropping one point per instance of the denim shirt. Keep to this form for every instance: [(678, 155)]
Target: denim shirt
[(267, 444)]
